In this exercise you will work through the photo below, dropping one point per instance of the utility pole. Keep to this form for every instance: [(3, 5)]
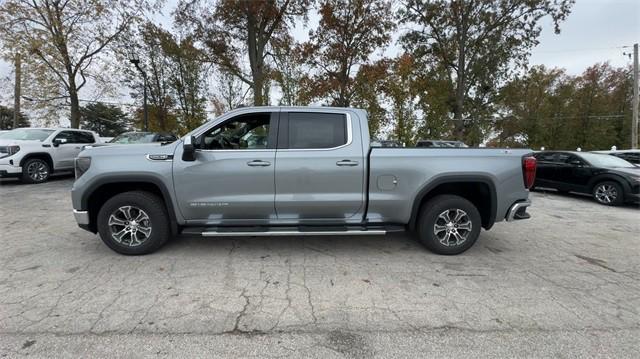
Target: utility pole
[(634, 120), (16, 92)]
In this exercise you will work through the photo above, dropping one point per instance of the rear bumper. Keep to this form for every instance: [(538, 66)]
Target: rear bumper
[(82, 217), (518, 211)]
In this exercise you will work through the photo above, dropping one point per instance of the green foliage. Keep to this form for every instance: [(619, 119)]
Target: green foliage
[(175, 79), (6, 119), (547, 107), (106, 120), (477, 43)]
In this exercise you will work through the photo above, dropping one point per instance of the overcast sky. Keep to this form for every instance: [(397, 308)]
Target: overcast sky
[(595, 31)]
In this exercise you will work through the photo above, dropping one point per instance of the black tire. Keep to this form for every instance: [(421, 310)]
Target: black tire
[(35, 170), (141, 203), (430, 214), (609, 193)]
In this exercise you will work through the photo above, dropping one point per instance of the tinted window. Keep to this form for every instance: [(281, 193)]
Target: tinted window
[(245, 132), (545, 156), (83, 137), (317, 130), (563, 158)]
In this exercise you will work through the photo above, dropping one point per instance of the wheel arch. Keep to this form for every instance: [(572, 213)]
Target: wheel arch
[(609, 177), (478, 189), (104, 188), (41, 155)]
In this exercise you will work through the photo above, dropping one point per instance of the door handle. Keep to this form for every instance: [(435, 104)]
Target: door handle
[(347, 163), (258, 163)]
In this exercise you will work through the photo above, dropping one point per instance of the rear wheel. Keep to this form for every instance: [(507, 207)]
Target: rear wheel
[(35, 170), (608, 193), (134, 223), (449, 224)]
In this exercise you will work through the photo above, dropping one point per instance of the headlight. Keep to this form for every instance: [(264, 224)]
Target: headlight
[(82, 165), (8, 151)]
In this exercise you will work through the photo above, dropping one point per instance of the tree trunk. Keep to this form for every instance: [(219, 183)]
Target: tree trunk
[(75, 107)]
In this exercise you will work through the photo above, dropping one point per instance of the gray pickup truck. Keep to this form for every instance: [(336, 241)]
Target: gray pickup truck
[(294, 171)]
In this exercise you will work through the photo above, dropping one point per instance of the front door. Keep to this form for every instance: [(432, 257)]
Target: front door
[(232, 177), (319, 168), (67, 145)]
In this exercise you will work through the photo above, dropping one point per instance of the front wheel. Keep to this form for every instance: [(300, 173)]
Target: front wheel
[(134, 223), (449, 224), (608, 193), (35, 170)]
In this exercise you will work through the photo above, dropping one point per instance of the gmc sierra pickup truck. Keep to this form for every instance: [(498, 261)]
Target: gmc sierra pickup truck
[(294, 171)]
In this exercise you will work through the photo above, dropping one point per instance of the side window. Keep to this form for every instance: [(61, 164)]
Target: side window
[(545, 156), (65, 136), (244, 132), (563, 158), (571, 159), (82, 137), (316, 130)]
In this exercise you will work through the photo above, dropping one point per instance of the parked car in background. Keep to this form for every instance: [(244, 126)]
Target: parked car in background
[(632, 156), (133, 138), (441, 144), (386, 143), (295, 171), (32, 154), (609, 179)]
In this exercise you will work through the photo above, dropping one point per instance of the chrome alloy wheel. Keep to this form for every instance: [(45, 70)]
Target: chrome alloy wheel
[(129, 226), (37, 171), (606, 193), (452, 227)]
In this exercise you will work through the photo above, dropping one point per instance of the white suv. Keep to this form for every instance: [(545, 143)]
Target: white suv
[(34, 153)]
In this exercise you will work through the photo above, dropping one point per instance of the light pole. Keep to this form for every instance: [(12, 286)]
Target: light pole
[(135, 59)]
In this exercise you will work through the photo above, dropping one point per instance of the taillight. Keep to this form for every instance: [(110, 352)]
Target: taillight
[(529, 170)]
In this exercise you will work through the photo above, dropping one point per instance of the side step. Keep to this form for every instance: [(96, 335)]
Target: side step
[(291, 231)]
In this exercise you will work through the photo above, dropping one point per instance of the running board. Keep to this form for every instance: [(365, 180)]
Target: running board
[(290, 231)]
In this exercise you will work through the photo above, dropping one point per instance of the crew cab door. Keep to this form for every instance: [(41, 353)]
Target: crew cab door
[(319, 167), (232, 177), (67, 145)]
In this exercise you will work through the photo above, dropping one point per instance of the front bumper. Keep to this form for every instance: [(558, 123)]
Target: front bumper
[(518, 211), (7, 170)]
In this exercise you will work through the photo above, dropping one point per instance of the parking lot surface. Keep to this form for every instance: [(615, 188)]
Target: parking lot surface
[(564, 283)]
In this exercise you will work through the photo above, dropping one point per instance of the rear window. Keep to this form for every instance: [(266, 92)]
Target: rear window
[(317, 130)]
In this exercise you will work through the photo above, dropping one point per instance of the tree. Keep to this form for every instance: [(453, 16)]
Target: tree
[(288, 71), (231, 27), (106, 120), (229, 94), (6, 119), (348, 33), (478, 43), (65, 39), (547, 107)]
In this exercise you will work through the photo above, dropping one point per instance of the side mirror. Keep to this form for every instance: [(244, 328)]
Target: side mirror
[(189, 149), (58, 141)]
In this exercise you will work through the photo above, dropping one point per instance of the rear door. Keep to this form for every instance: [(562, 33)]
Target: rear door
[(545, 170), (319, 167)]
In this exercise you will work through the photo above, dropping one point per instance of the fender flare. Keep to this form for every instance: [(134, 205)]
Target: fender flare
[(440, 180), (133, 178)]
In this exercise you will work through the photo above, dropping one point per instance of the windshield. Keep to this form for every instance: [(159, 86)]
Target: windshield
[(27, 134), (598, 160), (134, 137)]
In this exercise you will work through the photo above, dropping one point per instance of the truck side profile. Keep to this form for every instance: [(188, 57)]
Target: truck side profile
[(293, 171)]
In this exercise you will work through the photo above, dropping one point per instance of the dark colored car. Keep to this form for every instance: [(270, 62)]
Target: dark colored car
[(632, 156), (441, 144), (609, 179), (143, 137)]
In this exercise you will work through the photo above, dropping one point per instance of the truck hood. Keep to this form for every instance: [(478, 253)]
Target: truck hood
[(8, 142), (131, 149)]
